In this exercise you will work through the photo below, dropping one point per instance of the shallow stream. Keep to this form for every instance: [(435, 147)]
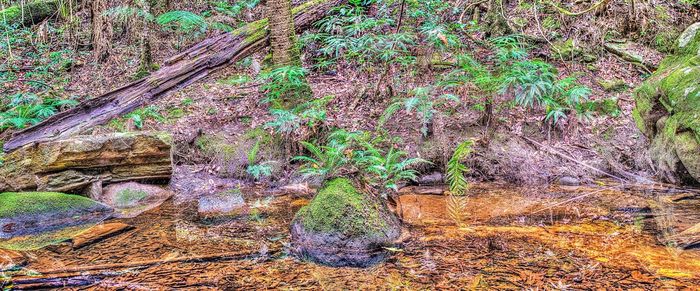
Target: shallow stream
[(603, 236)]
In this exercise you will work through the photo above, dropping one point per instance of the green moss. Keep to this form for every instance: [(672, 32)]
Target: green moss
[(614, 85), (340, 207), (129, 197), (569, 50), (41, 240), (18, 203), (689, 41), (11, 14)]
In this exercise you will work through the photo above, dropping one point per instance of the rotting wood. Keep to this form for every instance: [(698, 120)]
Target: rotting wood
[(178, 72), (76, 163)]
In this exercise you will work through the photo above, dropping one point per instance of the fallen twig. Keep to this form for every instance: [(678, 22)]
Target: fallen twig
[(571, 159)]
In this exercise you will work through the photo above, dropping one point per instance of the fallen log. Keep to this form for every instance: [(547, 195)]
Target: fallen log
[(177, 72), (75, 163)]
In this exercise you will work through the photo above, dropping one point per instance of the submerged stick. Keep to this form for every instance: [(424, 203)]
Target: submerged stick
[(86, 275)]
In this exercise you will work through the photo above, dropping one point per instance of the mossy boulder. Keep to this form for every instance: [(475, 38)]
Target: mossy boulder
[(35, 213), (568, 49), (668, 110), (342, 226)]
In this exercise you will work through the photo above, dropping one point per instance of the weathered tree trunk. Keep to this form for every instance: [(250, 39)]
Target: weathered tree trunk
[(282, 36), (101, 31), (178, 72), (73, 164), (30, 13)]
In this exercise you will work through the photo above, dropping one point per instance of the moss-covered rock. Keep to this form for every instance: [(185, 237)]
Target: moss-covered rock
[(668, 109), (612, 85), (342, 226), (31, 213), (567, 49)]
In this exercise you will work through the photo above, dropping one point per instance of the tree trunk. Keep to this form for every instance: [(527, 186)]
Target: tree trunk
[(101, 31), (282, 34), (73, 164), (178, 72), (30, 13)]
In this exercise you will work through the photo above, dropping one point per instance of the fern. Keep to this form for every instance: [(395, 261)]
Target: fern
[(422, 102), (456, 169), (124, 14), (184, 21)]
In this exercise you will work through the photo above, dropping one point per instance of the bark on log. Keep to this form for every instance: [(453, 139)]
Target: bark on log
[(178, 72), (65, 165), (30, 13)]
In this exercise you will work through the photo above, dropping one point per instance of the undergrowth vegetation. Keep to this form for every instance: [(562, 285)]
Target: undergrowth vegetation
[(361, 155)]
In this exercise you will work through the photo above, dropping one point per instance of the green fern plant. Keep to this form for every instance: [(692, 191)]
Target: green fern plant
[(421, 101), (456, 170), (183, 21), (325, 161), (387, 170), (26, 109), (310, 114), (285, 84)]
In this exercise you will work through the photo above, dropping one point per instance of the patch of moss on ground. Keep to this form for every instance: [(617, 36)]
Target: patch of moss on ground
[(23, 203), (231, 153), (614, 85), (340, 207), (128, 197)]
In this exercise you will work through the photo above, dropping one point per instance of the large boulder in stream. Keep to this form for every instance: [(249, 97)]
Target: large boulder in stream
[(342, 226), (668, 110), (30, 220)]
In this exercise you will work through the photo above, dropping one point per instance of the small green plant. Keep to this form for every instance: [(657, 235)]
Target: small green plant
[(421, 101), (325, 161), (257, 170), (310, 114), (25, 109), (387, 169), (357, 153), (456, 169), (138, 116), (183, 21), (284, 85)]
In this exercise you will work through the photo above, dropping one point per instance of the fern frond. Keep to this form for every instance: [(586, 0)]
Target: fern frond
[(182, 20)]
